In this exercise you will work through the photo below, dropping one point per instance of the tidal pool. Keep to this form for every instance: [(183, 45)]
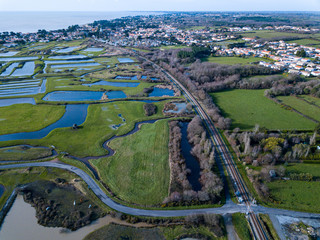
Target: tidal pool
[(82, 95), (20, 89), (85, 64), (125, 60), (160, 92), (9, 69), (126, 77), (17, 59), (12, 101), (66, 50), (68, 57), (93, 49), (8, 54), (26, 70), (113, 84), (180, 107)]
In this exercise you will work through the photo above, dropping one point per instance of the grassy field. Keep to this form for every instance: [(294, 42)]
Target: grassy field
[(302, 106), (311, 99), (28, 118), (241, 226), (272, 34), (173, 233), (313, 169), (233, 60), (88, 139), (295, 195), (139, 171), (116, 232), (172, 47), (249, 107), (23, 153), (307, 42)]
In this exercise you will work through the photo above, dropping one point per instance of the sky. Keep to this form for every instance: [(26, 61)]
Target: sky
[(159, 5)]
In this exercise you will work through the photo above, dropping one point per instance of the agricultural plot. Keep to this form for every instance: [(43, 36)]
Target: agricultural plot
[(301, 106), (272, 34), (249, 107), (233, 60), (147, 174), (307, 42), (310, 99), (296, 195)]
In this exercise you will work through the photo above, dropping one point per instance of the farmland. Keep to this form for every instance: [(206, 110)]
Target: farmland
[(302, 106), (249, 107), (233, 60), (137, 175)]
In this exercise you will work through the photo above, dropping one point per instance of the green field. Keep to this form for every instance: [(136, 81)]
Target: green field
[(307, 42), (249, 107), (302, 106), (117, 232), (311, 99), (295, 195), (28, 118), (272, 34), (241, 226), (172, 47), (139, 171), (233, 60)]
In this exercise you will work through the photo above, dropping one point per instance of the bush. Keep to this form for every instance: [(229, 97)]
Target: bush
[(150, 109)]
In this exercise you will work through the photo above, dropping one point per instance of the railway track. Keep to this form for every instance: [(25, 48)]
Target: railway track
[(241, 189)]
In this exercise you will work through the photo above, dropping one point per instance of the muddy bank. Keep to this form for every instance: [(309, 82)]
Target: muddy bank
[(60, 204)]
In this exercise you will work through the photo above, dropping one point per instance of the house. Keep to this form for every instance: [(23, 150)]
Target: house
[(272, 173), (305, 73)]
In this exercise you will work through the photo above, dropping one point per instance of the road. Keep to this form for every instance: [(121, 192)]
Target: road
[(226, 209)]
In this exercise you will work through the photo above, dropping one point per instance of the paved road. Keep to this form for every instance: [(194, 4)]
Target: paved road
[(227, 208)]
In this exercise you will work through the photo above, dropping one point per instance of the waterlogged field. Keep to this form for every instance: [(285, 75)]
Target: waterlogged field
[(249, 107)]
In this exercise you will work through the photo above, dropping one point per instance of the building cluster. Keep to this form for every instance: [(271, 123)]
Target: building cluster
[(280, 55), (277, 28)]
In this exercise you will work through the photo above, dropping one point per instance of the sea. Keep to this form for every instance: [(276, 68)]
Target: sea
[(28, 22)]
